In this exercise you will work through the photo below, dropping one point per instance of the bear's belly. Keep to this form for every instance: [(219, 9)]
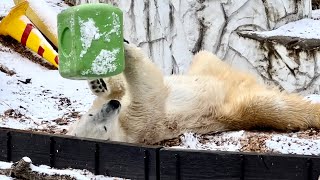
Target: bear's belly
[(189, 93)]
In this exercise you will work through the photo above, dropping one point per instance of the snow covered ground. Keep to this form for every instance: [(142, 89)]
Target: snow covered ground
[(303, 142), (36, 98)]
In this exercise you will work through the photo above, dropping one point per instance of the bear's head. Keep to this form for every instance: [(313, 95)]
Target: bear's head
[(98, 125)]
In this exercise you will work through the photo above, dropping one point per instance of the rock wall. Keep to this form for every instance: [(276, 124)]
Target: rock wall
[(171, 31)]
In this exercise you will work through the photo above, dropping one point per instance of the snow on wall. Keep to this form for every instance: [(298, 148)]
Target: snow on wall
[(171, 31)]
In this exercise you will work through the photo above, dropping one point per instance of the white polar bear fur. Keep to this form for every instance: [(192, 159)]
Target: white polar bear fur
[(210, 97)]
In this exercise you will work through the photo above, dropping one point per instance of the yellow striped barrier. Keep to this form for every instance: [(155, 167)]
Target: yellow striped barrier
[(40, 22), (18, 26)]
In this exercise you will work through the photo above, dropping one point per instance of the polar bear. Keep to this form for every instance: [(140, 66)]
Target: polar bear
[(143, 106)]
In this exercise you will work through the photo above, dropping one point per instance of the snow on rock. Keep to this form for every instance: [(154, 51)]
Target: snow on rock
[(44, 169), (291, 145), (27, 159), (313, 98), (3, 177), (304, 28), (77, 174)]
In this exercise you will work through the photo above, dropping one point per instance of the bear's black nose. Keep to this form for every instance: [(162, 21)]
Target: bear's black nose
[(114, 104)]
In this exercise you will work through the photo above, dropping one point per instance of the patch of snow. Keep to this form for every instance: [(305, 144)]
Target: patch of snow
[(5, 165), (3, 177), (27, 159), (304, 28), (313, 98), (191, 141), (5, 7), (89, 32), (316, 14), (56, 5), (47, 14), (76, 173), (115, 27), (226, 141), (105, 62), (291, 145), (50, 171)]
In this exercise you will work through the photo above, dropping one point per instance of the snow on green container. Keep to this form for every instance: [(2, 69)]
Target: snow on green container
[(90, 41)]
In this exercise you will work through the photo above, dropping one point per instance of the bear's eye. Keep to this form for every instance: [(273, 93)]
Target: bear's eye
[(105, 128), (90, 114)]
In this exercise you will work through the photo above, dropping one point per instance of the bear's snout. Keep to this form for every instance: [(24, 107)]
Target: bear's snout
[(114, 104)]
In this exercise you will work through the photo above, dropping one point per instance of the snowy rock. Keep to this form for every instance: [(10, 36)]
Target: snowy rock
[(266, 38)]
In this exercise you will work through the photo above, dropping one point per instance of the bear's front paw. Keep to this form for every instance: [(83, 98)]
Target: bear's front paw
[(98, 87)]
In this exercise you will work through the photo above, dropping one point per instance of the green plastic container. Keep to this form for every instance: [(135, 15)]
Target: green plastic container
[(90, 38)]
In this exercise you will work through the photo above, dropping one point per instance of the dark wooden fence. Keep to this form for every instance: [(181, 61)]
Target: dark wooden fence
[(150, 162)]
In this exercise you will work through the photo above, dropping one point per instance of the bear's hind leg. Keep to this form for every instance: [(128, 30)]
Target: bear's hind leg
[(270, 109), (206, 63)]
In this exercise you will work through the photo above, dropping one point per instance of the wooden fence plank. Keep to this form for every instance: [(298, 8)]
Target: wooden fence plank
[(276, 167), (3, 144), (190, 164), (315, 168), (75, 153), (32, 145), (128, 161)]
